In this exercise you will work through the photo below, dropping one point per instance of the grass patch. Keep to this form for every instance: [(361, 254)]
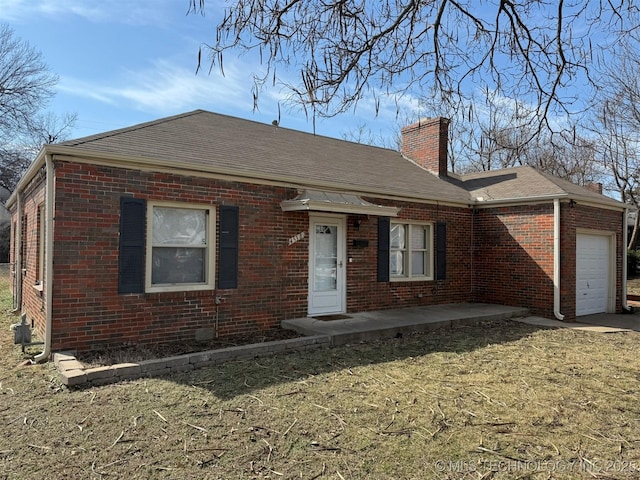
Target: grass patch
[(6, 298), (633, 285), (501, 400)]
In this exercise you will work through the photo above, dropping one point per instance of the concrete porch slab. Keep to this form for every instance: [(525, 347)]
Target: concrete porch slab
[(389, 323)]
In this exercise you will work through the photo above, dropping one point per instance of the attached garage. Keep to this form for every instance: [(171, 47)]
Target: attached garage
[(594, 259)]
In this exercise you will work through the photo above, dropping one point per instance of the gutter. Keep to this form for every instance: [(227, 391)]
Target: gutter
[(608, 203), (556, 259), (48, 280), (17, 260), (625, 240)]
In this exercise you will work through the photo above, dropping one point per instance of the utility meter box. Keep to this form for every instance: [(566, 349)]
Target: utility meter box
[(21, 332)]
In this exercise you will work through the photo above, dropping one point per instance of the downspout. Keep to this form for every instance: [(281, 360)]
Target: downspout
[(556, 259), (17, 260), (48, 276), (625, 239)]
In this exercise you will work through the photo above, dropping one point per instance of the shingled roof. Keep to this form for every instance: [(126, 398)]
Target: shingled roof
[(524, 183), (210, 142), (202, 141)]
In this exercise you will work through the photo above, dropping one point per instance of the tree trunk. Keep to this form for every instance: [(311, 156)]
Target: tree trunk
[(634, 235)]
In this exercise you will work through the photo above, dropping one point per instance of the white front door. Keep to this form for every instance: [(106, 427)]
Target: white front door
[(327, 265)]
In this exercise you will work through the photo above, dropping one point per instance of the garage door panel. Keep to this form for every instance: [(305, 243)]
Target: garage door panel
[(592, 273)]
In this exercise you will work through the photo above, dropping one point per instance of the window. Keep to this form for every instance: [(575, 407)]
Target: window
[(180, 250), (23, 245), (41, 243), (410, 252)]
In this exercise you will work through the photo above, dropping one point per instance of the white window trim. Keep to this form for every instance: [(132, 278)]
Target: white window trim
[(209, 284), (430, 252)]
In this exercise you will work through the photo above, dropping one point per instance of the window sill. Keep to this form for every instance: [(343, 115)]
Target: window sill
[(178, 288), (411, 279), (39, 287)]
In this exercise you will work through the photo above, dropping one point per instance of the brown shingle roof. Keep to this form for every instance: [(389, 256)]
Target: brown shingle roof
[(522, 183), (214, 143)]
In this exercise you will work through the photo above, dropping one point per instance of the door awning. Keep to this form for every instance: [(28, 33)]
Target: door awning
[(321, 201)]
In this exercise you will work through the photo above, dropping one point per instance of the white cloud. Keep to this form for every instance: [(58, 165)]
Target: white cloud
[(140, 12), (165, 88)]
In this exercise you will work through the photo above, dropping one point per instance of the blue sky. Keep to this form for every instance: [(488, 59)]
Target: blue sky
[(122, 62)]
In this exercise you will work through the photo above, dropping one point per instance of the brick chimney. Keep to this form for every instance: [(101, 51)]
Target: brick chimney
[(594, 187), (425, 142)]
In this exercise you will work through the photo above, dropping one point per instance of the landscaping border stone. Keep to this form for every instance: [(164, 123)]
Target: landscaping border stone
[(74, 374)]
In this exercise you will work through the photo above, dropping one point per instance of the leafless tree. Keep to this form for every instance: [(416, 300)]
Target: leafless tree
[(616, 125), (539, 55), (619, 152), (361, 133), (347, 49), (502, 133), (18, 151), (26, 86)]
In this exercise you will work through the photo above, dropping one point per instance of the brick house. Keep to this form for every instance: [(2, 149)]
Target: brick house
[(203, 225)]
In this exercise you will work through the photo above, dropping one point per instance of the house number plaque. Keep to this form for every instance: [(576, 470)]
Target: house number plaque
[(296, 238)]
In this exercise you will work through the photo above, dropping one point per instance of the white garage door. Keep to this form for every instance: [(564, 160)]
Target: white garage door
[(592, 274)]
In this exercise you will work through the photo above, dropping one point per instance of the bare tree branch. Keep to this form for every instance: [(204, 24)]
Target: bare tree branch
[(26, 86), (530, 50)]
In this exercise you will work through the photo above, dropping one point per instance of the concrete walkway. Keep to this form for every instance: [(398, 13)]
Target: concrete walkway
[(608, 322), (353, 327), (602, 323)]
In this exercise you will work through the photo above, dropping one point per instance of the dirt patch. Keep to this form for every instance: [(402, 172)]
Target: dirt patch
[(137, 353)]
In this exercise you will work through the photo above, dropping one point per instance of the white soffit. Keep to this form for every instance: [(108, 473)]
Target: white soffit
[(321, 201)]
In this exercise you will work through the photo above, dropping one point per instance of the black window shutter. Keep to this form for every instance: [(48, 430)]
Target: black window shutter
[(229, 235), (441, 251), (384, 233), (132, 245)]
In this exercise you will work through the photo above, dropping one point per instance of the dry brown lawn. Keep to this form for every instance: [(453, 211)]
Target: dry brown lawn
[(633, 285), (502, 400)]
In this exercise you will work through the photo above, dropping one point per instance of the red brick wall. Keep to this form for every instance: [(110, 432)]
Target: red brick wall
[(88, 313), (33, 299), (513, 257), (425, 142), (502, 255), (584, 217), (365, 293)]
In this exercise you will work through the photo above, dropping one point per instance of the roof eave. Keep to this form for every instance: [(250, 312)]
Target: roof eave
[(148, 163), (320, 206), (504, 202)]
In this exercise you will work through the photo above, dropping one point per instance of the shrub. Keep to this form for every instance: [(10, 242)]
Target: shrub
[(633, 260), (5, 243)]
